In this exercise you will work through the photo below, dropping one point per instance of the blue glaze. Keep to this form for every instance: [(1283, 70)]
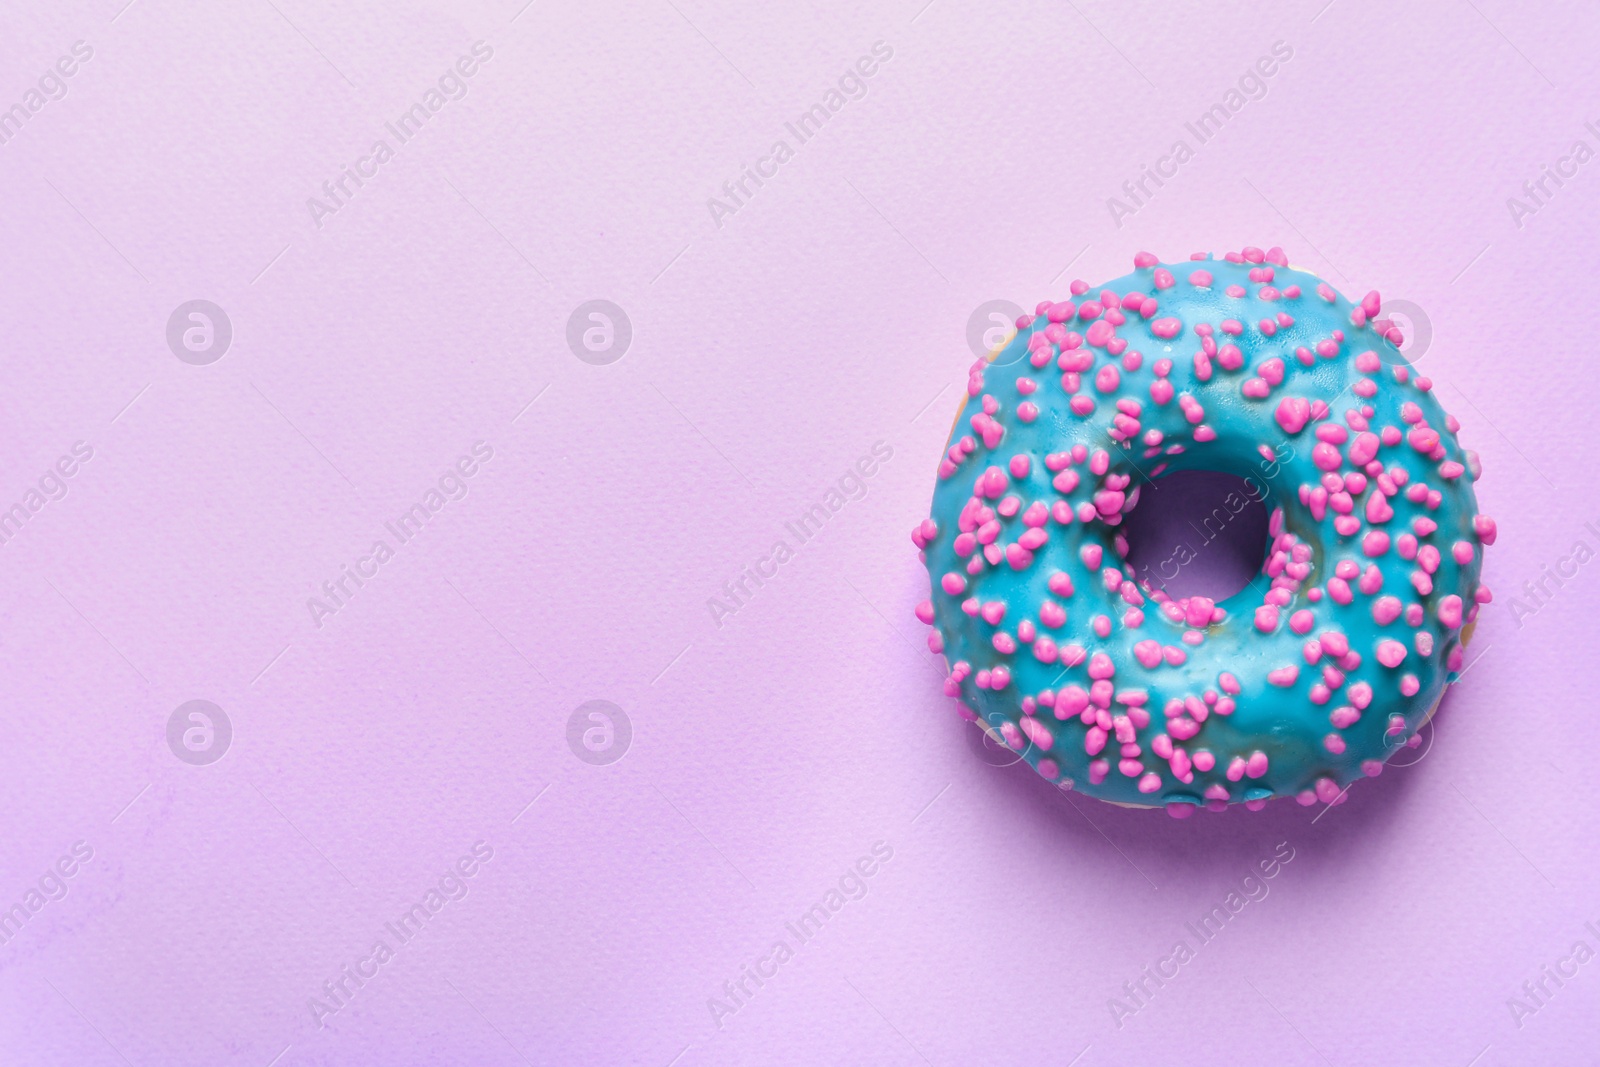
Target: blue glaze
[(1281, 722)]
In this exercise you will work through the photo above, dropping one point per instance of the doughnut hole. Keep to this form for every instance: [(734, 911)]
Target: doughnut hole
[(1197, 533)]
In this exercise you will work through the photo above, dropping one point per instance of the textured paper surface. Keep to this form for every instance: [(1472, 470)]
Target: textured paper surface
[(770, 343)]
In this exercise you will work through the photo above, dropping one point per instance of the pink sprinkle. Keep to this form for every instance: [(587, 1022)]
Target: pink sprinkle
[(1144, 259), (1391, 653), (1423, 439), (1256, 766), (1286, 676), (1484, 526), (1076, 360), (1293, 413), (1371, 579), (953, 583), (1052, 614), (1100, 666), (1333, 433), (1450, 611), (1038, 733), (1385, 610), (1163, 278), (1167, 328), (1301, 621), (1326, 457), (1020, 465), (1199, 611)]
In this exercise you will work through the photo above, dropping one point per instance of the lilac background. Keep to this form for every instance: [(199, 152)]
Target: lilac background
[(770, 752)]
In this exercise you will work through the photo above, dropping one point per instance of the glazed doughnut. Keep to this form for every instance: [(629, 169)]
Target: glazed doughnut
[(1307, 679)]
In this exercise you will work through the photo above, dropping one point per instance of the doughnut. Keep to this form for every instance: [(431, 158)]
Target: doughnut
[(1302, 683)]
